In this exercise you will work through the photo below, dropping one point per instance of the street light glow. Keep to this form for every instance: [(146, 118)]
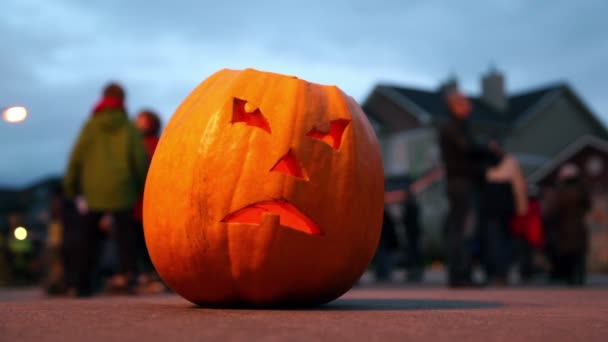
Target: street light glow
[(14, 114), (20, 233)]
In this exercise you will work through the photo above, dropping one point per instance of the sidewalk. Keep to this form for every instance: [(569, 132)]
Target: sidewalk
[(369, 312)]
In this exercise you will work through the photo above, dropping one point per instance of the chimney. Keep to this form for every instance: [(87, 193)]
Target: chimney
[(493, 90), (451, 84)]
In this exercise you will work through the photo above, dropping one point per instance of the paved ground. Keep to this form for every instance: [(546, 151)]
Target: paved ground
[(389, 312)]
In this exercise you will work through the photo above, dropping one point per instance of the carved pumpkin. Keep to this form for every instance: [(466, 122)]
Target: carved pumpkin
[(264, 190)]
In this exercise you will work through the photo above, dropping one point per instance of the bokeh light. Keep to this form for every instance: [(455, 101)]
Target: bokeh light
[(20, 233), (14, 114)]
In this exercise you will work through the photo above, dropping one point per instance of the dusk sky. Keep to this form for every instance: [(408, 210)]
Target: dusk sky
[(58, 54)]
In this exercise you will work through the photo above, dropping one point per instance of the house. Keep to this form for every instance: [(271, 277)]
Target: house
[(534, 125), (28, 206)]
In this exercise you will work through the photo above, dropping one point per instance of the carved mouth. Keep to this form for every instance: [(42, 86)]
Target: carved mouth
[(290, 216)]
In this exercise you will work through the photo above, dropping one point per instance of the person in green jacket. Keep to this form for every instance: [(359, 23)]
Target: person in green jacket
[(105, 176)]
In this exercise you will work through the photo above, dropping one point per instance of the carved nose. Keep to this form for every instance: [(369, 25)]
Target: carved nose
[(290, 165)]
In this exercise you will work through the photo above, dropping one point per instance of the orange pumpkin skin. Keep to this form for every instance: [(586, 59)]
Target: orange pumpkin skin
[(218, 179)]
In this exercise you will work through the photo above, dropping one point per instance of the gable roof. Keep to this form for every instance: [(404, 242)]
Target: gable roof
[(10, 201), (15, 200), (568, 152), (431, 104), (567, 92), (392, 118)]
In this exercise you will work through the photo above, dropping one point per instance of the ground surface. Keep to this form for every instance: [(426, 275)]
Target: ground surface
[(390, 312)]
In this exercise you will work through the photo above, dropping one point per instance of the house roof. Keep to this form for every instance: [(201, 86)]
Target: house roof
[(10, 201), (13, 199), (567, 153), (432, 103)]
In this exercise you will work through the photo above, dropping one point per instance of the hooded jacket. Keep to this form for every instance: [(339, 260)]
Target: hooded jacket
[(108, 164)]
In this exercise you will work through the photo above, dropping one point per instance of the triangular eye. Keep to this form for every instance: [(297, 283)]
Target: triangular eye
[(243, 111), (334, 137)]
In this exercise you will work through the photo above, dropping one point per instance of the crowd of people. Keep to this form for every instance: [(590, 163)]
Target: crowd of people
[(495, 220), (100, 203), (491, 207)]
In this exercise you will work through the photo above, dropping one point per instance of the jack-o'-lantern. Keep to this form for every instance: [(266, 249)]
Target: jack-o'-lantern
[(264, 190)]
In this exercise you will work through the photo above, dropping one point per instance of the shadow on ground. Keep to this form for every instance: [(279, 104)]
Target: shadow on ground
[(388, 304), (363, 304)]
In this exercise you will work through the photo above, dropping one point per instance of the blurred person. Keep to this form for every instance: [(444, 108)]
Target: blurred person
[(54, 282), (383, 259), (63, 248), (411, 222), (463, 161), (503, 196), (72, 248), (5, 276), (567, 212), (106, 174), (149, 124), (529, 233)]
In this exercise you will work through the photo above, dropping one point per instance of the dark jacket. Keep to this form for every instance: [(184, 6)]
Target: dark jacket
[(462, 157), (496, 201), (108, 164), (572, 201)]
